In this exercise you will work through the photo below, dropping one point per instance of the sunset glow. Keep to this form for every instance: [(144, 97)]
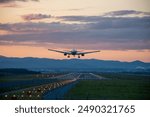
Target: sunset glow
[(120, 29)]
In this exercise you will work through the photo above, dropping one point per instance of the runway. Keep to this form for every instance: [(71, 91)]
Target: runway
[(80, 76), (59, 93), (53, 90)]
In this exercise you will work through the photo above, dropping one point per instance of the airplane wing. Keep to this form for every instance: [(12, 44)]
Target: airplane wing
[(57, 51), (79, 53)]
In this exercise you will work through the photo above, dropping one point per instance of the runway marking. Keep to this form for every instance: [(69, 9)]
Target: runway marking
[(100, 77)]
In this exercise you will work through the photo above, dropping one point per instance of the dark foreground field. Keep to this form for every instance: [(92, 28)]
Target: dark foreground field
[(74, 86), (119, 86), (20, 84)]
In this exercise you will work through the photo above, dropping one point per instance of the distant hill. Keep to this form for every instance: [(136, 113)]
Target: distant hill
[(71, 64)]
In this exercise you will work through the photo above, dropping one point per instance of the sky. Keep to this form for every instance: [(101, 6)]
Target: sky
[(119, 28)]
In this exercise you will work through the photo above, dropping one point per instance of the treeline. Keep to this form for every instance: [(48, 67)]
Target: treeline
[(16, 71)]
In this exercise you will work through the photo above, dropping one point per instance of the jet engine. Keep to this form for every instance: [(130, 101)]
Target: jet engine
[(65, 54), (82, 54)]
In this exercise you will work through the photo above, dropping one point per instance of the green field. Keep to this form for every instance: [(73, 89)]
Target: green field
[(118, 87)]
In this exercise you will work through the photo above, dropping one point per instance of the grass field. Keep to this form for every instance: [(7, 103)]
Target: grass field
[(118, 87)]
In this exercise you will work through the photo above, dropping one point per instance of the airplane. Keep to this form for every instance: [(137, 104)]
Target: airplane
[(73, 52)]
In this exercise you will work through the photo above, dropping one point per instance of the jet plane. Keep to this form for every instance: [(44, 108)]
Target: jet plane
[(73, 52)]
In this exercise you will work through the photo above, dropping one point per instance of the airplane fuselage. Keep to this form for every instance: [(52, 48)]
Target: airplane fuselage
[(73, 52)]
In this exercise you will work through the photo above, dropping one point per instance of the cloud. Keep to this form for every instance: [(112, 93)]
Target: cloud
[(126, 12), (120, 23), (8, 1), (30, 17), (80, 18), (12, 3), (96, 32), (107, 16), (99, 22), (109, 40)]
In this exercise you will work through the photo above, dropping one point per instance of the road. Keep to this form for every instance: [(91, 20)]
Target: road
[(51, 90)]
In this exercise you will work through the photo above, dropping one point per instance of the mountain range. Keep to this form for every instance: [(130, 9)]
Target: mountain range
[(71, 64)]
